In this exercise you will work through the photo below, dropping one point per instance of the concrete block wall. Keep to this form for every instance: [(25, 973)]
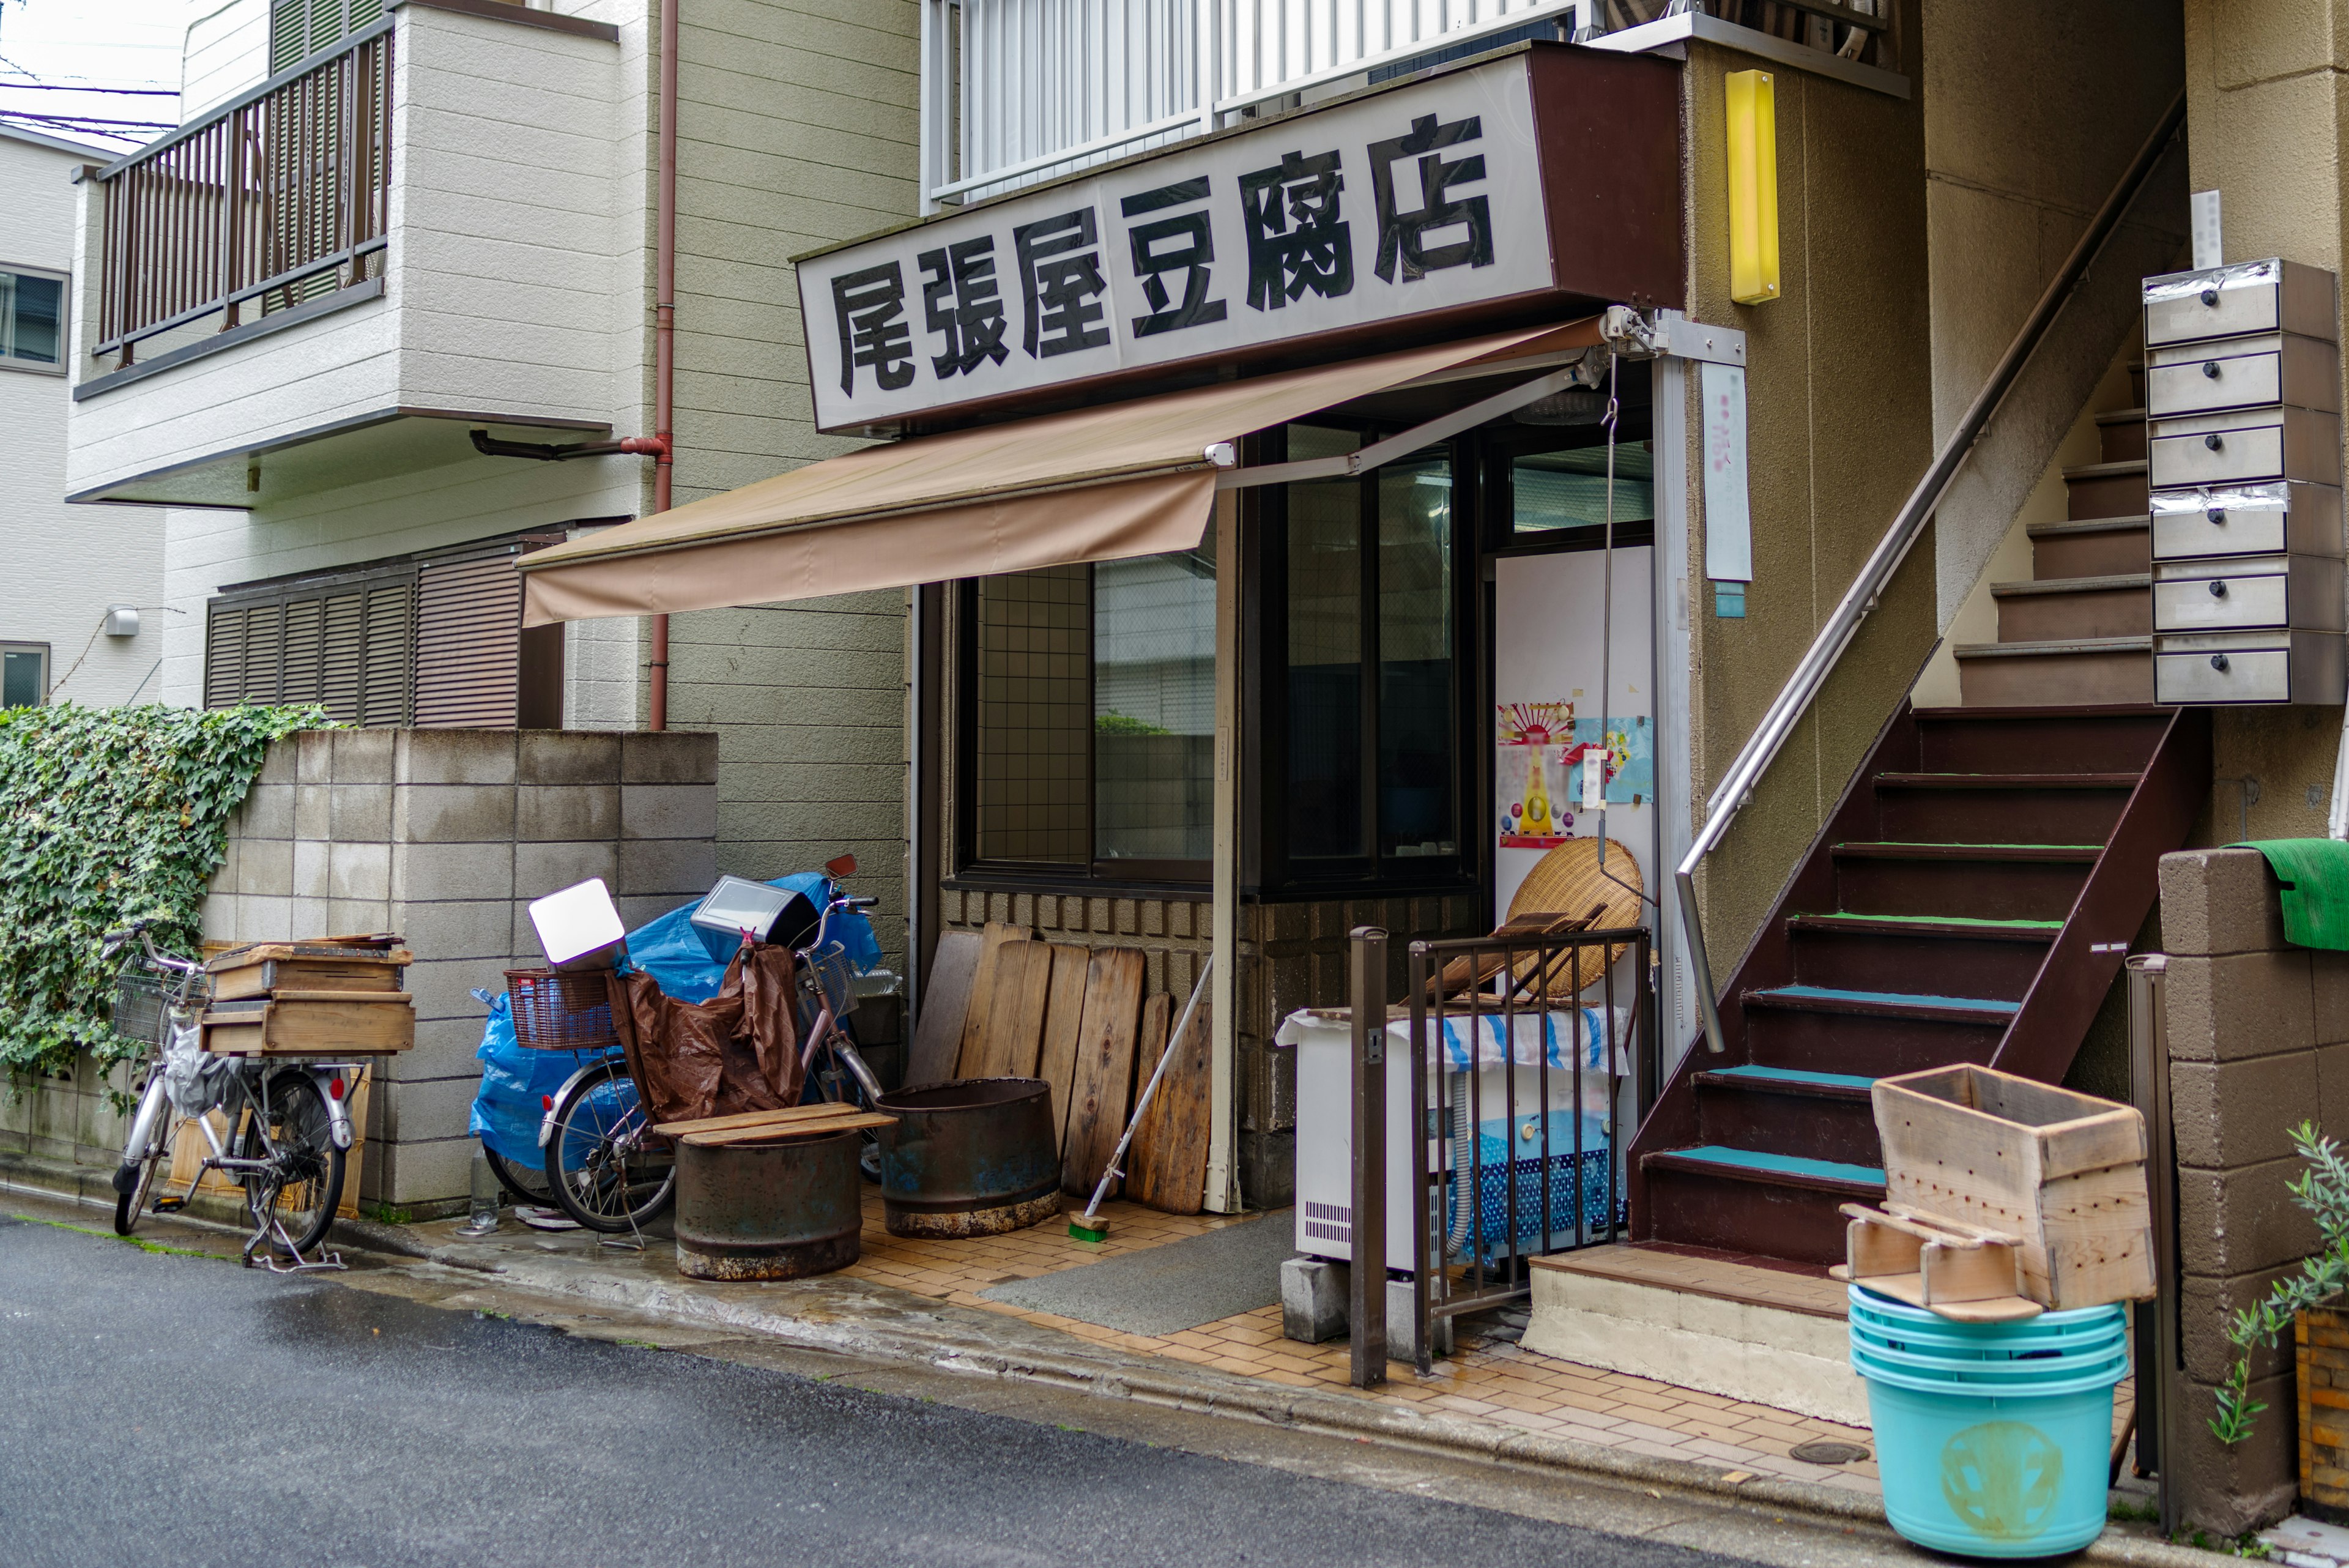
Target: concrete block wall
[(2258, 1041), (445, 836)]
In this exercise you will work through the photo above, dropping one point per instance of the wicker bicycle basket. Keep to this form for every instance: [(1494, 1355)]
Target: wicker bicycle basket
[(561, 1010)]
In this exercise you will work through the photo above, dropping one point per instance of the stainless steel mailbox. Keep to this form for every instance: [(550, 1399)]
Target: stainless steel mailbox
[(2271, 519), (2243, 397)]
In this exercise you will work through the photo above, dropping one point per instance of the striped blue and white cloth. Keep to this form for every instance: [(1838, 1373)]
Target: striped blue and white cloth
[(1533, 1037)]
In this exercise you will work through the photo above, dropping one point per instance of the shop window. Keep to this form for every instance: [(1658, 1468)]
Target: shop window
[(32, 318), (1089, 720), (24, 674), (434, 641), (1553, 492), (1362, 705)]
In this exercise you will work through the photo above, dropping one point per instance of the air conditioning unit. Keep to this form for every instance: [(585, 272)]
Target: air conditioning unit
[(1506, 1102)]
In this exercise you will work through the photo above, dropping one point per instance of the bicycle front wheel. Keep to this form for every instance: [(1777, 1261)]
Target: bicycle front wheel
[(598, 1162), (305, 1182), (135, 1182)]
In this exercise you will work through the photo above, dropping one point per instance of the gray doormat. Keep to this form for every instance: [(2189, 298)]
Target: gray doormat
[(1200, 1278)]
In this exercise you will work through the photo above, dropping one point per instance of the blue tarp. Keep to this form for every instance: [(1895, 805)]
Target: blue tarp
[(517, 1078)]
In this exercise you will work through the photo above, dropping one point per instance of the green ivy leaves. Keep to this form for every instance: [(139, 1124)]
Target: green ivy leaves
[(109, 816)]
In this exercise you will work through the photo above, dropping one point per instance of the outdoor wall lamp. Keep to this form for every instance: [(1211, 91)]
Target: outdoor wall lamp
[(1752, 188)]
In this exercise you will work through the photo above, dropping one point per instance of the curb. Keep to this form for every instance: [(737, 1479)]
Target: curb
[(1170, 1384)]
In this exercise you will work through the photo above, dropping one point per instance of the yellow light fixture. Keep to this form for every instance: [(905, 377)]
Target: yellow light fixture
[(1752, 188)]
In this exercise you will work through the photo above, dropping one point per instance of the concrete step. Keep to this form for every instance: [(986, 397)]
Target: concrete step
[(2091, 547), (2056, 672), (1719, 1322), (2068, 608)]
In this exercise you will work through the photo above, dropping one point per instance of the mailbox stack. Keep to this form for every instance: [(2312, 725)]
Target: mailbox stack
[(2243, 402)]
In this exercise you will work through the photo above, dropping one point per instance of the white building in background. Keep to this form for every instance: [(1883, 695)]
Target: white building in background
[(81, 600)]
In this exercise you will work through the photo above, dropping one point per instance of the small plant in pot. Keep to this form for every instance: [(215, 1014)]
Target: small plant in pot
[(2321, 1189)]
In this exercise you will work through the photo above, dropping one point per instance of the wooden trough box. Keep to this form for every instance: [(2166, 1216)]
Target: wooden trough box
[(333, 998), (2061, 1175)]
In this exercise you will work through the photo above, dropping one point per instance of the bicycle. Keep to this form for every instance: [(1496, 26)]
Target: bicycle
[(606, 1167), (288, 1120)]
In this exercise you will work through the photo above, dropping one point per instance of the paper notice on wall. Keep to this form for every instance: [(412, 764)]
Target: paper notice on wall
[(1728, 520), (1533, 774)]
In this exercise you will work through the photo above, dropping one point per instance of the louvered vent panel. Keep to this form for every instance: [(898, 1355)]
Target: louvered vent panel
[(468, 632), (342, 656), (223, 657), (302, 650), (262, 651), (390, 647)]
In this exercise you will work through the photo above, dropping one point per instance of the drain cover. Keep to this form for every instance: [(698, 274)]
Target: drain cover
[(1830, 1452)]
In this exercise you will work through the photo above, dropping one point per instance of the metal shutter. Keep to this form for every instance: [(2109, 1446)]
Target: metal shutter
[(348, 645), (467, 643), (388, 684)]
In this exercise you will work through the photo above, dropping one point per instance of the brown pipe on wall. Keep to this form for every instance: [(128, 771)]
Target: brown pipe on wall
[(664, 337)]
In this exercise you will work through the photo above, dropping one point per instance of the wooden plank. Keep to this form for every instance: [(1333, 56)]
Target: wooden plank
[(982, 996), (851, 1120), (750, 1119), (1169, 1161), (261, 978), (1015, 1022), (1065, 1016), (322, 1023), (382, 949), (1103, 1086), (946, 1000)]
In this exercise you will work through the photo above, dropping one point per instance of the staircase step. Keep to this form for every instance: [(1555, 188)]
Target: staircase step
[(1791, 1081), (1863, 1182), (2058, 672), (1869, 954), (2121, 435), (2106, 489), (2091, 546), (2076, 808), (1787, 1032), (2073, 609), (1976, 881), (1884, 1003), (1988, 738)]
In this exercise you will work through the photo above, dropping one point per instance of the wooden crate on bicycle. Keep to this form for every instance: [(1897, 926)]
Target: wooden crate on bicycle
[(335, 997)]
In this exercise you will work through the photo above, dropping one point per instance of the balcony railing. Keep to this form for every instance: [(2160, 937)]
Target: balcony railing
[(279, 197), (1015, 91)]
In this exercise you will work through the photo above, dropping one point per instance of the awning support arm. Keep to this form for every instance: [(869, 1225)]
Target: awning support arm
[(1385, 451)]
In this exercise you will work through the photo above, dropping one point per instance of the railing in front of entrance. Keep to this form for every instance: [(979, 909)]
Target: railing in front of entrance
[(272, 198), (1530, 1060), (1014, 91)]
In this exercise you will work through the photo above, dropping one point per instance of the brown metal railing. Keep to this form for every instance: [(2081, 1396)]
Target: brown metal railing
[(278, 197), (1531, 1060)]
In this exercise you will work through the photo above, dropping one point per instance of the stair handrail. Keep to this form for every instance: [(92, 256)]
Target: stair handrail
[(1761, 749)]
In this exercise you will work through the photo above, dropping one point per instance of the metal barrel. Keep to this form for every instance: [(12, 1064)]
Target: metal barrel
[(972, 1158), (776, 1210)]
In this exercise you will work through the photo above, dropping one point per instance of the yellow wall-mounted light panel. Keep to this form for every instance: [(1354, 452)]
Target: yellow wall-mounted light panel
[(1752, 188)]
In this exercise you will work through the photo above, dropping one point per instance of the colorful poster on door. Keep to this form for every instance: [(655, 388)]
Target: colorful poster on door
[(1630, 757), (1533, 774)]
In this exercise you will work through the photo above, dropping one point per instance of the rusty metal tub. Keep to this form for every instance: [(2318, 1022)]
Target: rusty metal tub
[(974, 1157), (779, 1210)]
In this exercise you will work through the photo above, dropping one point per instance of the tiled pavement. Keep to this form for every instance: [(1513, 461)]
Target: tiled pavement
[(1489, 1377)]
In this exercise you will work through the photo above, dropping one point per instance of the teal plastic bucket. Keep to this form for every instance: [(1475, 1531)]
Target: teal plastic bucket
[(1993, 1440)]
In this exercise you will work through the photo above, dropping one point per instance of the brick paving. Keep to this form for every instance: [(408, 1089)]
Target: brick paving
[(1490, 1376)]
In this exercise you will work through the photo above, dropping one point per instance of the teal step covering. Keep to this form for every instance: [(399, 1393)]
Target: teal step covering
[(1796, 1075), (1783, 1164), (2316, 897), (1901, 998)]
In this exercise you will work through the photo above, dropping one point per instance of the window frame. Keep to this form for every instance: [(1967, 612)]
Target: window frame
[(1266, 867), (48, 665), (64, 321), (1128, 877)]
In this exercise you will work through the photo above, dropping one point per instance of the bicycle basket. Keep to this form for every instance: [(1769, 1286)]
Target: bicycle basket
[(823, 981), (561, 1010), (143, 995)]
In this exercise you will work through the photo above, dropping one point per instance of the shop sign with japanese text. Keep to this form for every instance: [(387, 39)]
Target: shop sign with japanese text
[(1424, 199)]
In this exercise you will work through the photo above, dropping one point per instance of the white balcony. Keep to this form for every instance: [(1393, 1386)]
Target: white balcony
[(435, 225), (1017, 92)]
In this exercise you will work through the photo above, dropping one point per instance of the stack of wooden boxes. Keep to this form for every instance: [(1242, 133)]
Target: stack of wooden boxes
[(2243, 393), (335, 997)]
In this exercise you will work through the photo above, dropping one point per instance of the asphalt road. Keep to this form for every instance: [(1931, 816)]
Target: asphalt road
[(172, 1409)]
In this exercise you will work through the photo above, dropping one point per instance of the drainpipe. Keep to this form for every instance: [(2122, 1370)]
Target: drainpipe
[(664, 337)]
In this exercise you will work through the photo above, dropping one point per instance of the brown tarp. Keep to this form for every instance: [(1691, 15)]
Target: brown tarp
[(735, 1051), (1097, 484)]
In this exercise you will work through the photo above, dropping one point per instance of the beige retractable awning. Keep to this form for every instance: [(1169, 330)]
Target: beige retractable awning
[(1091, 484)]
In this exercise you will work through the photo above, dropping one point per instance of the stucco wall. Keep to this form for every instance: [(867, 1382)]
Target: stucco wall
[(797, 127), (66, 564), (2021, 147), (1839, 419), (2265, 86)]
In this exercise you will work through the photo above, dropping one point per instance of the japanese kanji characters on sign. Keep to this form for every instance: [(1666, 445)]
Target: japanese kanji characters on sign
[(1425, 198)]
